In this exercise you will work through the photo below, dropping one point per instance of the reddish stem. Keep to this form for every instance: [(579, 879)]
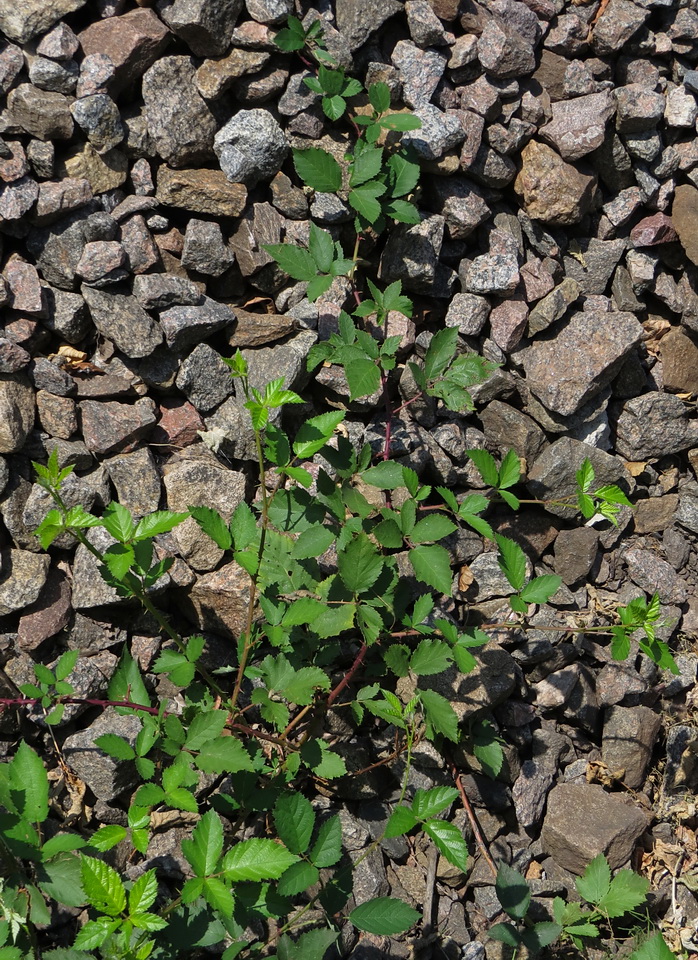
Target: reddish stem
[(349, 676)]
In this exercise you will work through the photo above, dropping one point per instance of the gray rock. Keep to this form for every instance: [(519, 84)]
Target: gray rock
[(46, 375), (509, 428), (196, 483), (50, 75), (41, 113), (503, 51), (232, 426), (600, 260), (654, 425), (553, 307), (205, 250), (204, 378), (575, 553), (537, 776), (261, 225), (21, 22), (566, 370), (206, 26), (553, 473), (489, 580), (655, 575), (159, 291), (12, 356), (285, 360), (110, 427), (639, 108), (17, 199), (67, 314), (618, 23), (468, 312), (425, 27), (420, 71), (17, 411), (583, 821), (99, 117), (681, 770), (251, 147), (58, 249), (218, 601), (22, 578), (411, 254), (137, 480), (269, 11), (179, 120), (106, 777), (358, 19), (184, 326), (578, 126), (490, 273), (59, 43), (120, 318), (101, 263), (75, 491), (629, 737)]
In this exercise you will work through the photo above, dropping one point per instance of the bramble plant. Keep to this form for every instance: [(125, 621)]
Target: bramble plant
[(332, 623)]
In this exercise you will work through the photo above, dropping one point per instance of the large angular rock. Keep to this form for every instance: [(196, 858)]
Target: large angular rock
[(219, 601), (22, 578), (206, 26), (578, 126), (58, 249), (137, 480), (179, 121), (110, 427), (566, 370), (120, 318), (684, 217), (583, 821), (17, 411), (629, 736), (43, 114), (654, 425), (503, 51), (204, 378), (251, 147), (132, 42), (106, 777), (20, 20), (551, 189), (553, 473), (201, 191), (185, 326), (411, 255), (358, 19)]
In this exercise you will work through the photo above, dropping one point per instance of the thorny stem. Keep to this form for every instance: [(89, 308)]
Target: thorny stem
[(479, 839), (348, 676)]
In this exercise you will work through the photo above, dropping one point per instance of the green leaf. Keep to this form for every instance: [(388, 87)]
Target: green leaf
[(595, 882), (49, 528), (118, 559), (401, 821), (103, 886), (653, 949), (432, 565), (59, 879), (142, 894), (148, 921), (297, 262), (363, 377), (334, 107), (540, 935), (404, 175), (321, 247), (359, 564), (161, 521), (440, 715), (429, 803), (384, 916), (403, 211), (440, 353), (62, 843), (486, 465), (488, 751), (314, 433), (513, 892), (27, 784), (505, 933), (512, 561), (66, 664), (323, 761), (450, 842), (301, 687), (294, 819), (327, 849), (585, 476), (118, 521), (93, 934), (430, 657), (388, 534), (364, 200), (213, 524), (509, 471), (257, 859), (127, 683), (318, 169), (366, 166), (379, 95), (107, 837), (541, 589), (204, 849), (205, 727), (224, 755), (313, 543), (400, 121), (115, 746), (435, 526), (386, 475), (628, 891), (298, 878), (243, 526)]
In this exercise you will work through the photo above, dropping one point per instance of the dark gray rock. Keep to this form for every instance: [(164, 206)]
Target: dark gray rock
[(99, 117), (629, 738), (655, 575), (204, 378), (41, 113), (50, 75), (137, 480), (537, 776), (106, 777), (411, 255), (58, 248), (179, 120), (205, 250), (358, 19), (654, 425), (17, 411), (120, 318), (110, 427), (251, 147), (159, 291), (503, 51), (184, 326), (206, 26), (553, 473), (509, 428), (575, 553)]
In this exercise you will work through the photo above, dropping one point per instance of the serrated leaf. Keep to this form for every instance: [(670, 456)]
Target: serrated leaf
[(654, 948), (490, 755), (440, 715), (384, 916), (585, 476), (403, 211), (429, 803), (107, 837), (386, 475), (432, 565), (363, 377), (66, 664), (115, 746), (160, 521), (103, 886), (359, 564), (301, 687), (366, 166), (628, 891), (27, 784), (397, 658), (127, 683), (318, 169), (364, 200), (404, 175), (505, 933), (204, 849), (435, 526), (93, 934), (204, 727), (62, 843), (430, 657), (486, 465), (541, 589), (450, 841), (509, 471), (334, 107), (400, 121), (327, 849), (294, 819), (118, 559), (297, 262), (298, 878), (512, 561), (540, 935), (379, 95), (142, 894), (118, 521), (224, 755), (314, 433), (321, 247), (513, 892), (322, 761), (256, 859), (595, 882), (213, 524), (440, 352), (401, 821)]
